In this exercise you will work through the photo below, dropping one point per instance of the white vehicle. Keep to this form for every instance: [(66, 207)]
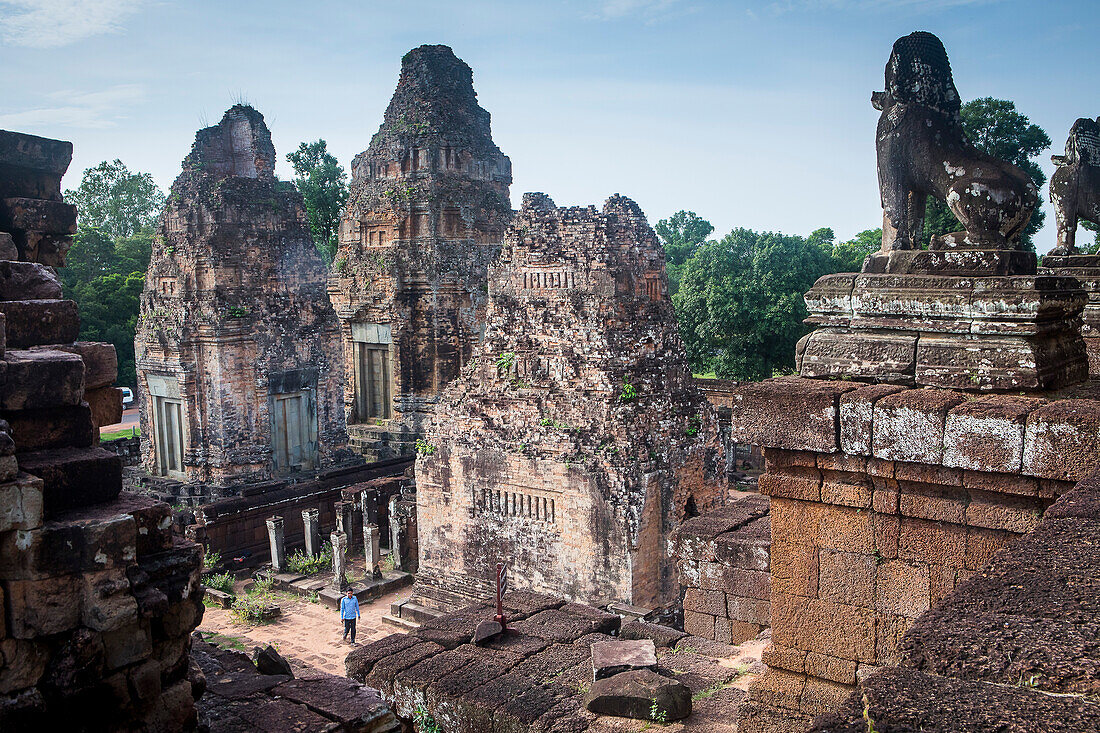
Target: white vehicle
[(127, 396)]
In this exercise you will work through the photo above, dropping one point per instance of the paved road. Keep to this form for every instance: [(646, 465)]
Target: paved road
[(129, 420)]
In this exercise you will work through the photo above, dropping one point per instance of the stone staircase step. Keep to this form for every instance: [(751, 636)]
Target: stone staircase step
[(39, 322), (414, 612), (400, 623), (41, 378), (74, 477)]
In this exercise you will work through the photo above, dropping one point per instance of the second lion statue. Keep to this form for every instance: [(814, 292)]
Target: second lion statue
[(923, 151), (1075, 186)]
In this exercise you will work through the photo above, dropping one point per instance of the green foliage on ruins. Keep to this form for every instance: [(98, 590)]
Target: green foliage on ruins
[(997, 129), (105, 269), (324, 187)]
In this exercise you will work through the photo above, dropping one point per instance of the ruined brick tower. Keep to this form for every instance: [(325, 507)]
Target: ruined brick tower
[(237, 351), (576, 441), (427, 211)]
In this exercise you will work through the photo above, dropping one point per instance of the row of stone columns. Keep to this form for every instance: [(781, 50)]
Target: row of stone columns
[(339, 539)]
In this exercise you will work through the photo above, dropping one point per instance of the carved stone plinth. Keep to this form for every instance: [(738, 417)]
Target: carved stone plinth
[(998, 333), (1086, 268), (952, 261)]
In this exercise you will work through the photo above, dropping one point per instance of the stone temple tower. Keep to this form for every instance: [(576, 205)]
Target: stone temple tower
[(427, 211), (575, 441), (238, 357)]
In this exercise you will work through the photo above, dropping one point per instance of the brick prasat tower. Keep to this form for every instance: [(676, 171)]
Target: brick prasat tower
[(238, 357), (427, 211), (575, 442)]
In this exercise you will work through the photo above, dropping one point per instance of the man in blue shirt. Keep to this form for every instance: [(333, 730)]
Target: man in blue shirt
[(349, 611)]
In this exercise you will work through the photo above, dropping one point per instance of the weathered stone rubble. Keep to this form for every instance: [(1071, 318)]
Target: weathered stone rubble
[(969, 312), (241, 698), (97, 598), (1013, 648), (723, 558), (427, 211), (237, 344), (574, 441), (534, 678)]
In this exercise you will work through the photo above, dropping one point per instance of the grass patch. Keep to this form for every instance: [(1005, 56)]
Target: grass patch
[(228, 641), (132, 432), (305, 564)]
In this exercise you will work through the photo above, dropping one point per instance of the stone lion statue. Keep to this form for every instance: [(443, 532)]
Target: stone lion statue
[(923, 151), (1075, 186)]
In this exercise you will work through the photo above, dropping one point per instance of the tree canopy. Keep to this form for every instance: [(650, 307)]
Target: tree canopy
[(105, 268), (115, 200), (323, 184), (997, 129)]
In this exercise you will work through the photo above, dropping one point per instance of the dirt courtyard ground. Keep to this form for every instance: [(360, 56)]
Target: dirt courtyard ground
[(307, 633)]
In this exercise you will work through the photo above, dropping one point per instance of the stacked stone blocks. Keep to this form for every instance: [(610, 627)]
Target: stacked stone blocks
[(98, 597)]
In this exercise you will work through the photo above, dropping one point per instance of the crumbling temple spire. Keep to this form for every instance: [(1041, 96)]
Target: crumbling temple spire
[(575, 441), (426, 214), (238, 357)]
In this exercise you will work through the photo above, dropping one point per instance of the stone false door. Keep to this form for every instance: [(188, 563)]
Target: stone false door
[(293, 408), (168, 424)]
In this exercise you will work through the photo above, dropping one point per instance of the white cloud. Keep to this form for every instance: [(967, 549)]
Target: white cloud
[(784, 6), (53, 23), (95, 110)]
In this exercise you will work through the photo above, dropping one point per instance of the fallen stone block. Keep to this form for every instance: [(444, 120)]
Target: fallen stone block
[(640, 694), (269, 661), (612, 657), (660, 635)]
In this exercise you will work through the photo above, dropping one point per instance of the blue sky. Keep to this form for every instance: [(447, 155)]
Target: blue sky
[(751, 113)]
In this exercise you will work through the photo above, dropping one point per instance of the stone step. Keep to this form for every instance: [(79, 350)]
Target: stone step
[(74, 477), (39, 322), (400, 623), (27, 280), (413, 612), (40, 379)]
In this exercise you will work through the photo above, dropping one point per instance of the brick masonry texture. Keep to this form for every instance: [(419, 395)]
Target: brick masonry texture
[(97, 597), (723, 559), (1013, 647), (574, 441), (426, 215), (235, 312)]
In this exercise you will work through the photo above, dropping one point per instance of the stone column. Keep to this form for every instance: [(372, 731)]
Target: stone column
[(368, 503), (371, 552), (278, 545), (339, 561), (311, 523), (396, 550), (345, 512)]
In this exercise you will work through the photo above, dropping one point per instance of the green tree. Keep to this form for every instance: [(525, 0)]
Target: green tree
[(680, 235), (849, 256), (740, 306), (997, 129), (323, 185), (116, 200)]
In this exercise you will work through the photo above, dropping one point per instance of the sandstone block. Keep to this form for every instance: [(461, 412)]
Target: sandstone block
[(37, 215), (127, 645), (889, 631), (105, 405), (823, 695), (1001, 483), (778, 688), (43, 607), (909, 426), (1062, 440), (847, 530), (21, 503), (933, 543), (795, 569), (612, 657), (27, 280), (32, 166), (1017, 514), (856, 416), (982, 545), (741, 631), (635, 694), (903, 589), (36, 322), (8, 250), (847, 493), (843, 353), (107, 601), (935, 502), (100, 362), (45, 249), (662, 636), (74, 477), (887, 531), (804, 485), (987, 434), (712, 602), (789, 413), (699, 624), (69, 426), (22, 664), (40, 379), (747, 583), (750, 610)]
